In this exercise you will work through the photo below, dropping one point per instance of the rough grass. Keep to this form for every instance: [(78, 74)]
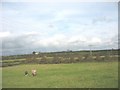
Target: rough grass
[(0, 78), (8, 61), (77, 75)]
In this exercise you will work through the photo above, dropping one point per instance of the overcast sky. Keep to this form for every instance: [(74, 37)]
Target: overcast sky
[(58, 26)]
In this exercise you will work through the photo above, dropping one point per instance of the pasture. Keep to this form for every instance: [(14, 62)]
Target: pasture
[(73, 75)]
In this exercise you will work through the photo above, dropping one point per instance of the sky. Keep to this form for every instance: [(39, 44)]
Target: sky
[(58, 26)]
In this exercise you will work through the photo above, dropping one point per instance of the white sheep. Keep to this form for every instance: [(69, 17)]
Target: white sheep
[(34, 72)]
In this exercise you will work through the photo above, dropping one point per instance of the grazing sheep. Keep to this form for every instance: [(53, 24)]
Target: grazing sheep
[(34, 72), (26, 73)]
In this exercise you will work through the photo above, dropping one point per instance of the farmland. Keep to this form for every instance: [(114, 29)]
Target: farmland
[(61, 57), (62, 70), (77, 75)]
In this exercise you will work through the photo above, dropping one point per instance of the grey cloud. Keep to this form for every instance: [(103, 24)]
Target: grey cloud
[(27, 43), (17, 44)]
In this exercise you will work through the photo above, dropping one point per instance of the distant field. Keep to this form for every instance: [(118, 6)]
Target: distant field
[(62, 57), (77, 75)]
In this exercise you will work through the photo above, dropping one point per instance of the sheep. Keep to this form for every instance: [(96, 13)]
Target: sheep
[(26, 73), (34, 72)]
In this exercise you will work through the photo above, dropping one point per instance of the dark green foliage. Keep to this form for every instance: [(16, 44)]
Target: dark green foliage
[(33, 52)]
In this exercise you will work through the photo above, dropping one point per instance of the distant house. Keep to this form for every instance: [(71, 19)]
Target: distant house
[(35, 53)]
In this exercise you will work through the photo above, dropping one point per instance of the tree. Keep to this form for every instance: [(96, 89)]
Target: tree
[(34, 52)]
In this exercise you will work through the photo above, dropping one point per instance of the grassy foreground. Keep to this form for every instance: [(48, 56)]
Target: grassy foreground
[(77, 75)]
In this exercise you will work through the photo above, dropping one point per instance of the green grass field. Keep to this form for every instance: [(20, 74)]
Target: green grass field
[(77, 75)]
